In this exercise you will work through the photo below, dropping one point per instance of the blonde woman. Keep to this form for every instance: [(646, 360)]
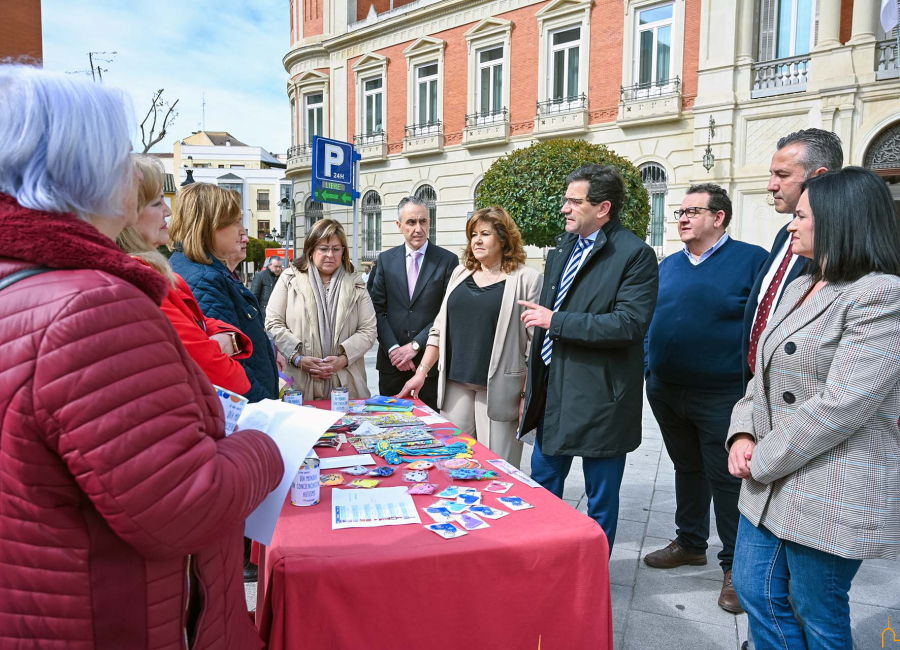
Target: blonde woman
[(478, 340), (214, 345), (209, 242), (322, 317)]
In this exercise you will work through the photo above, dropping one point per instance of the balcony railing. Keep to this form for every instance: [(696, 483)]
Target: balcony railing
[(562, 105), (887, 65), (299, 150), (487, 117), (426, 128), (780, 76), (486, 128), (367, 139), (391, 13), (651, 89)]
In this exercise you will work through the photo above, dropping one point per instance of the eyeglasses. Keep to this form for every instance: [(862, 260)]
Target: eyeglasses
[(691, 213), (324, 250), (573, 202)]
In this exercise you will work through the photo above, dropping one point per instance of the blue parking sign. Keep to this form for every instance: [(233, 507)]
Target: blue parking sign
[(332, 171)]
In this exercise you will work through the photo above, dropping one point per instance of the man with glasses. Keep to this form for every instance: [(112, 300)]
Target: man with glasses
[(585, 371), (695, 375), (407, 289)]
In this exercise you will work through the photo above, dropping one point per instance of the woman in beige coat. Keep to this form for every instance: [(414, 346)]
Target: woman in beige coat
[(478, 340), (322, 318)]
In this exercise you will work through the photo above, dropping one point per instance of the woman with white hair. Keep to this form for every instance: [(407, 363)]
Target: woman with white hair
[(122, 502)]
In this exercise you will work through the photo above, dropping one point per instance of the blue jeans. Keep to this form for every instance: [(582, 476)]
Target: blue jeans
[(602, 479), (768, 569)]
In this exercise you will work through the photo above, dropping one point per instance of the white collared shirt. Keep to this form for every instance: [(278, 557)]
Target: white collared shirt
[(409, 262), (409, 256), (770, 274), (709, 251)]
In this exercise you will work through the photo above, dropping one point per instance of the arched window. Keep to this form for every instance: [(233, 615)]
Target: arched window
[(883, 158), (427, 194), (371, 210), (476, 193), (655, 182), (313, 213)]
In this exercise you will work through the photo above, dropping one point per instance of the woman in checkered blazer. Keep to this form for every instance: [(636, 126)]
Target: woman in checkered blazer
[(816, 436)]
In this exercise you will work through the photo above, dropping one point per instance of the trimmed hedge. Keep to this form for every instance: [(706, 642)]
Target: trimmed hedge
[(529, 184), (256, 250)]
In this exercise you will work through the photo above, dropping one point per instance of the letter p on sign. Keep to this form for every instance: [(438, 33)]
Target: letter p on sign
[(334, 157)]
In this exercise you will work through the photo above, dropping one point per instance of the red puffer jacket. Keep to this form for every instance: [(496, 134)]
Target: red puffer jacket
[(194, 330), (121, 501)]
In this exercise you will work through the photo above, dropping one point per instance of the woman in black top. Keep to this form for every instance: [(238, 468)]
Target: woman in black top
[(478, 340)]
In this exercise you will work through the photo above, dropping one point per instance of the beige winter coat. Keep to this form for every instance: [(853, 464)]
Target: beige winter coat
[(291, 317)]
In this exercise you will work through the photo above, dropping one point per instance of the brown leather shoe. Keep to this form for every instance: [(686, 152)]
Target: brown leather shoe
[(728, 599), (672, 556)]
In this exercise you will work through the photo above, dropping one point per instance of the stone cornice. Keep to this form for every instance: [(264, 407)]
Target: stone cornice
[(401, 29)]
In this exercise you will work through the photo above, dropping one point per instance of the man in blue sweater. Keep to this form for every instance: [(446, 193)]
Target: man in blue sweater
[(695, 375)]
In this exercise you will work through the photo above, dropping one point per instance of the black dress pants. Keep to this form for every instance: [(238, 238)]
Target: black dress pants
[(694, 425), (389, 384)]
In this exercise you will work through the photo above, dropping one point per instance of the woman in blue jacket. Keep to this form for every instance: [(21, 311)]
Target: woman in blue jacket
[(209, 242)]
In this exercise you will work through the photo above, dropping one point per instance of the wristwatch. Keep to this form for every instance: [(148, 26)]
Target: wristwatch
[(234, 342), (415, 345)]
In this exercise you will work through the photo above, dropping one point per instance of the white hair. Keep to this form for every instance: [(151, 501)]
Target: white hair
[(65, 143)]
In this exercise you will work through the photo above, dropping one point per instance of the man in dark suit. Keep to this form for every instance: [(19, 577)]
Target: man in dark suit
[(800, 155), (585, 373), (407, 290)]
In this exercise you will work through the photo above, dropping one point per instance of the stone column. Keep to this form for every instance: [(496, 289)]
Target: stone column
[(745, 31), (830, 24), (865, 20)]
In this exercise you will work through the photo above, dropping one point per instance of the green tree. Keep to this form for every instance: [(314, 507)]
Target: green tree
[(529, 183), (256, 250)]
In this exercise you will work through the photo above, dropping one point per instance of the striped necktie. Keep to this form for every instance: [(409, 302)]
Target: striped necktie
[(568, 276)]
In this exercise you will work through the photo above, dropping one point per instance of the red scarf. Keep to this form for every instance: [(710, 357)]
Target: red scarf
[(63, 241)]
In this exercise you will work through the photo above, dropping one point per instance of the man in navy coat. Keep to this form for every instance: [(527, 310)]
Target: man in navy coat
[(800, 155), (585, 372)]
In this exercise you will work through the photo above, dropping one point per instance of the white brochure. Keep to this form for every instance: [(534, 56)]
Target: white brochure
[(295, 429)]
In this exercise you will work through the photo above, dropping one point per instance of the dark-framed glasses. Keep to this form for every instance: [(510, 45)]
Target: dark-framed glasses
[(690, 213)]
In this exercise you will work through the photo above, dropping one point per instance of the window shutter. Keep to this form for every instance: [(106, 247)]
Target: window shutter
[(768, 11), (816, 28)]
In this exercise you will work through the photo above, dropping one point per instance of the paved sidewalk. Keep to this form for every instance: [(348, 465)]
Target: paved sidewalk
[(676, 608)]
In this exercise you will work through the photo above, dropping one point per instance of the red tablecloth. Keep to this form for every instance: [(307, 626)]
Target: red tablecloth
[(536, 578)]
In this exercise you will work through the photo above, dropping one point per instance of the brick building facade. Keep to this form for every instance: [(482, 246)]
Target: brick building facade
[(20, 31), (433, 92)]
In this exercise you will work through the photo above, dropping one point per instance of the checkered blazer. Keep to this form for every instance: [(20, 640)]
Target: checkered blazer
[(824, 408)]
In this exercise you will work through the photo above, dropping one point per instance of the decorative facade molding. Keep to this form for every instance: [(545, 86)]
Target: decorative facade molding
[(884, 152)]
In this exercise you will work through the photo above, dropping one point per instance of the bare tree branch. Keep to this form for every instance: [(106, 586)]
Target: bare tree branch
[(158, 105)]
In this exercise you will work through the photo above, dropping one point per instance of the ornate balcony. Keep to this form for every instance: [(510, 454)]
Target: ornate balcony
[(780, 76), (887, 61), (486, 128), (425, 138), (561, 116), (646, 103), (371, 146), (299, 158)]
